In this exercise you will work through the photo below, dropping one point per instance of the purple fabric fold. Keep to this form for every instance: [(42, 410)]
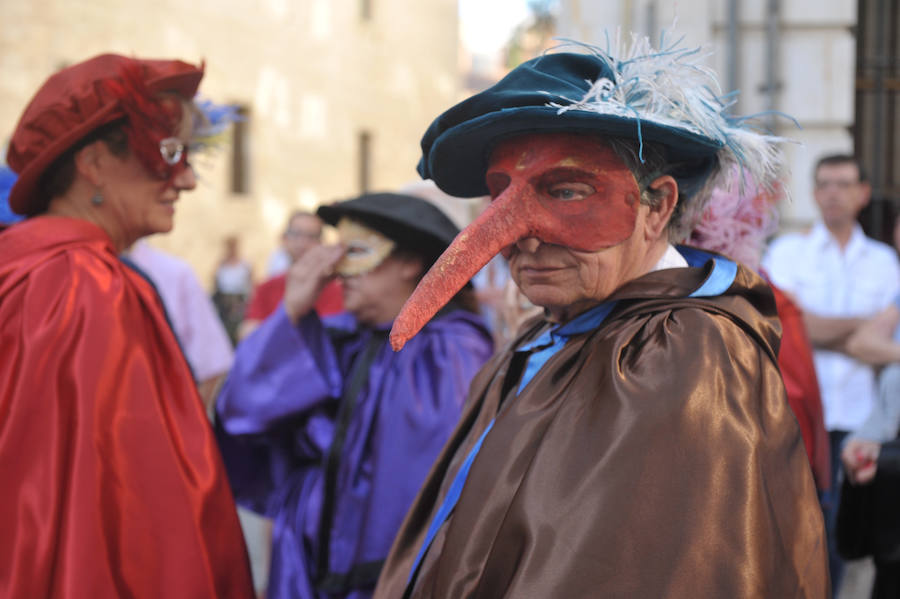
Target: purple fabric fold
[(276, 424), (276, 360)]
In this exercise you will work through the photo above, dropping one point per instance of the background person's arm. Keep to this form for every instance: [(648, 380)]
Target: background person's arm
[(873, 341), (829, 332)]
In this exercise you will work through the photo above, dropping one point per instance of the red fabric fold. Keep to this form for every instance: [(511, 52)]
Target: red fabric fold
[(795, 359), (113, 485)]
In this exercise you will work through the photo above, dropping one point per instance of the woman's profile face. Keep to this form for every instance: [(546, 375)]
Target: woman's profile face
[(140, 201)]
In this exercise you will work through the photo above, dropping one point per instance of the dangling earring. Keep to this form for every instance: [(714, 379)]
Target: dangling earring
[(97, 198)]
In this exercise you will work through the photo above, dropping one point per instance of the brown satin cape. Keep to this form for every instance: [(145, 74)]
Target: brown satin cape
[(112, 485), (655, 456)]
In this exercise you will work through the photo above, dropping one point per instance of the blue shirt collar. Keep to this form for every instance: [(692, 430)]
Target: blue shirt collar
[(720, 278), (584, 322)]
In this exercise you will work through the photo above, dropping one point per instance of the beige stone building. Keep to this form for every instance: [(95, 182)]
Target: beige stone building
[(337, 94)]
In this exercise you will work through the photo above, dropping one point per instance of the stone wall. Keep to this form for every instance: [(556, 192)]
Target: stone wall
[(312, 74)]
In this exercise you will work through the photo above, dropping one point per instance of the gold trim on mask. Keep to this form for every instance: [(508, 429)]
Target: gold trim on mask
[(366, 248)]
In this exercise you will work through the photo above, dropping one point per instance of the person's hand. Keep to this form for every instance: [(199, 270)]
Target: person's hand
[(306, 278), (860, 459)]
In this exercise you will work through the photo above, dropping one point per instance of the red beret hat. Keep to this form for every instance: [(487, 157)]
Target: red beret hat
[(71, 104)]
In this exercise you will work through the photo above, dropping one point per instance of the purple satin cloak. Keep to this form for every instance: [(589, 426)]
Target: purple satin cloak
[(277, 419)]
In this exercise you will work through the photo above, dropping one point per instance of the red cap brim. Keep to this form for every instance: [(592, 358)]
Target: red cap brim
[(56, 106)]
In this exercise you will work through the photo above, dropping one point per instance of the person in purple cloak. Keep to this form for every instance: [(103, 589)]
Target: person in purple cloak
[(322, 426)]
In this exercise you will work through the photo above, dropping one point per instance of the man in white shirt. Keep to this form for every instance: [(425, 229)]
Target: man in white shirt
[(839, 277)]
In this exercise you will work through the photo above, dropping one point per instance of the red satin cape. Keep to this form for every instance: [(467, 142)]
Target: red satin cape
[(795, 359), (112, 483)]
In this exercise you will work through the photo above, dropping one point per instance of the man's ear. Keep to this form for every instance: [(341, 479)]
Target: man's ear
[(89, 162), (666, 190)]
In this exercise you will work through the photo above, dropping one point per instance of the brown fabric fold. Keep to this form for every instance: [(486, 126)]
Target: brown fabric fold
[(655, 456)]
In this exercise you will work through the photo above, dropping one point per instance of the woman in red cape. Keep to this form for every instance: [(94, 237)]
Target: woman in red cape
[(112, 482)]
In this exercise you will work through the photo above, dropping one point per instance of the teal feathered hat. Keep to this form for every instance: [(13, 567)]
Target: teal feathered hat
[(664, 96)]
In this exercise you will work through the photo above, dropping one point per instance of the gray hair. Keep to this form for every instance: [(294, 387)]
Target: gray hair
[(656, 163)]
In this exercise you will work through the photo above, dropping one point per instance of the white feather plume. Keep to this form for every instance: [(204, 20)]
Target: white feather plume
[(670, 86)]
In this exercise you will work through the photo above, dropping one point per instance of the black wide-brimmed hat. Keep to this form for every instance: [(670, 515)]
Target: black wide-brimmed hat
[(412, 223), (665, 96)]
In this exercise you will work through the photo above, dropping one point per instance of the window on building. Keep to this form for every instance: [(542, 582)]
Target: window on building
[(240, 153), (876, 134), (365, 158), (365, 10)]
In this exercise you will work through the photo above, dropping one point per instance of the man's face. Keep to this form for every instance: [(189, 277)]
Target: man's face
[(591, 241), (303, 232), (840, 194)]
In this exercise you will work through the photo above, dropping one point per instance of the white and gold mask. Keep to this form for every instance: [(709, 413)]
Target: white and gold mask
[(366, 248)]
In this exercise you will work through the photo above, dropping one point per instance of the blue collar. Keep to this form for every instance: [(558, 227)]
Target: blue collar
[(719, 280), (584, 322)]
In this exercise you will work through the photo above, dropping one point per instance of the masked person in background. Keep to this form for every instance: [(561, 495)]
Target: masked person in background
[(112, 482), (327, 431), (635, 439)]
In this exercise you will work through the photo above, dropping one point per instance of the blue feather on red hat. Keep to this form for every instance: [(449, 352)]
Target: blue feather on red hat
[(7, 179)]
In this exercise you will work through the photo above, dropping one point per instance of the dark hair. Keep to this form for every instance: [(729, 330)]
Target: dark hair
[(464, 298), (408, 254), (656, 163), (59, 176), (837, 159)]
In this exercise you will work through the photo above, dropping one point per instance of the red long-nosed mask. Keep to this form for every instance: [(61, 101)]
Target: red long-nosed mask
[(561, 188)]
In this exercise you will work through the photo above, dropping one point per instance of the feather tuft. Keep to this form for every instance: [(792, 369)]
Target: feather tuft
[(738, 218), (148, 122), (212, 126), (7, 180), (671, 86)]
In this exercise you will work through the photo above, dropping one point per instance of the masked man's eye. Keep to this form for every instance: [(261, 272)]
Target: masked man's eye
[(570, 191)]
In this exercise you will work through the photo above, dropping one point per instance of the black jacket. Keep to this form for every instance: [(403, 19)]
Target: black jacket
[(869, 515)]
